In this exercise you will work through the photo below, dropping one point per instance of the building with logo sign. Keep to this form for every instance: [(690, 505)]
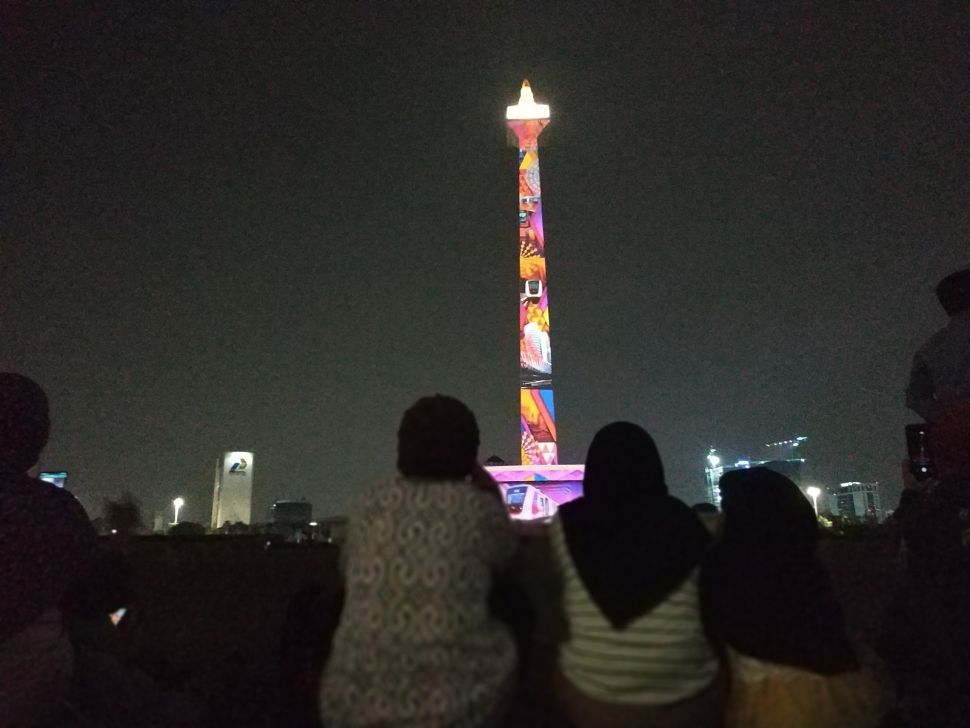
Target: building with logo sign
[(232, 498)]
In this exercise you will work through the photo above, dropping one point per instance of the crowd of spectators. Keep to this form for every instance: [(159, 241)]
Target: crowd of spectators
[(653, 616)]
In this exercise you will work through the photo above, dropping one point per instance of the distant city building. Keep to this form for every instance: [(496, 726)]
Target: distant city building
[(333, 529), (712, 476), (791, 469), (785, 457), (291, 513), (792, 449), (855, 501), (232, 498)]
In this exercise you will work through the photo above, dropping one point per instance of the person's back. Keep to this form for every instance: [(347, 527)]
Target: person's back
[(627, 554), (940, 374), (770, 601), (416, 644), (46, 541), (660, 657)]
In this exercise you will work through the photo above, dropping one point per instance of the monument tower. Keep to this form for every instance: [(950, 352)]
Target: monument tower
[(537, 411), (535, 489)]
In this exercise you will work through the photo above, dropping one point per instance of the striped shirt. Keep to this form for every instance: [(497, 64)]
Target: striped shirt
[(659, 658)]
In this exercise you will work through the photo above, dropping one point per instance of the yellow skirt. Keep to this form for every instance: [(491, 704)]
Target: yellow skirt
[(764, 695)]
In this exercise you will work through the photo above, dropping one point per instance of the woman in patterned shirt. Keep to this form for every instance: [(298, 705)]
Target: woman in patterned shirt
[(416, 645)]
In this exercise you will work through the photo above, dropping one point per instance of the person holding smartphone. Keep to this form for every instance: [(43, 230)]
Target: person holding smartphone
[(931, 616)]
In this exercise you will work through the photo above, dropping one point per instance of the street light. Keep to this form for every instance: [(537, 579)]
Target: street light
[(177, 504), (813, 493)]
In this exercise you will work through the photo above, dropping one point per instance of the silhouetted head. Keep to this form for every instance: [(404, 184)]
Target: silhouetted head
[(949, 440), (765, 511), (623, 463), (953, 292), (437, 439), (24, 421)]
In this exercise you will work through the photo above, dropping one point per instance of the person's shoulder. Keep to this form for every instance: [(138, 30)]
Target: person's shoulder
[(56, 495), (38, 500), (40, 492), (373, 494)]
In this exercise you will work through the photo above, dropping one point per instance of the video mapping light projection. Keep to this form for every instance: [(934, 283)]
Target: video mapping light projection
[(535, 492), (527, 119), (535, 489)]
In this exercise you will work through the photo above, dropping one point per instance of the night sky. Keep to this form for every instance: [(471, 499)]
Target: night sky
[(233, 226)]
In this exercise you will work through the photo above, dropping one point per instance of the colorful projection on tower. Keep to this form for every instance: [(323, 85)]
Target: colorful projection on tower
[(527, 119)]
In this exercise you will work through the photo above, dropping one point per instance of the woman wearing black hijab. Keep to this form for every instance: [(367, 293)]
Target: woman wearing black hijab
[(628, 555), (769, 599)]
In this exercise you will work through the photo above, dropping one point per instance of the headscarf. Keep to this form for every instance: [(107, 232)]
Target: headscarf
[(766, 593), (631, 542), (24, 422), (437, 440)]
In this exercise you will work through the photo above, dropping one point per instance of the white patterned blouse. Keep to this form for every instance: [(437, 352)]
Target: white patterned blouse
[(416, 645)]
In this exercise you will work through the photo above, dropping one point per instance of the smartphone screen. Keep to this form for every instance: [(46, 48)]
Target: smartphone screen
[(58, 478), (918, 450), (117, 616)]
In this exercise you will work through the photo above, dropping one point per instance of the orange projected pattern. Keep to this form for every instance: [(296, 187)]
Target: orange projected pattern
[(537, 412)]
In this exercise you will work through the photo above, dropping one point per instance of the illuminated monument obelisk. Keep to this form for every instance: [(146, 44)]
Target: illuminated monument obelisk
[(537, 487), (536, 408)]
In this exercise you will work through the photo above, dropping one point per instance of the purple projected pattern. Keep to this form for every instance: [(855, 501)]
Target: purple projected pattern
[(536, 491), (538, 437)]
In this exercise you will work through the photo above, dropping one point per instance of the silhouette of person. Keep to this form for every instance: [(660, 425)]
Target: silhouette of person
[(416, 644), (46, 540), (941, 368)]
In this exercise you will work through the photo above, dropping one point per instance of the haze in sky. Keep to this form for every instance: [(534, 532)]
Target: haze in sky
[(234, 226)]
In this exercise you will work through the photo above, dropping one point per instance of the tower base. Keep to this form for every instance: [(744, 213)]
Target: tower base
[(535, 492)]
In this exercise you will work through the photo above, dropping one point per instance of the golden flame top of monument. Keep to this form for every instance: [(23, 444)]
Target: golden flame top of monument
[(527, 108)]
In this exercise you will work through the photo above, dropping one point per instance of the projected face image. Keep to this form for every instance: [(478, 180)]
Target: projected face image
[(535, 348)]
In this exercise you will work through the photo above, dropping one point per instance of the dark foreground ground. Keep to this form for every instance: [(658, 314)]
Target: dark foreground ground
[(238, 626)]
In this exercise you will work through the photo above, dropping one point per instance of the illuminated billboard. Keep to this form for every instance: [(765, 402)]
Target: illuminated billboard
[(527, 119), (232, 498)]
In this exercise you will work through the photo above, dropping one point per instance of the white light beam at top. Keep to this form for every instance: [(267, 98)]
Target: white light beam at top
[(527, 108)]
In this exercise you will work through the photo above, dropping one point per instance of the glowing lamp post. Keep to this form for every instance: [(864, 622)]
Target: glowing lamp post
[(813, 493), (177, 505)]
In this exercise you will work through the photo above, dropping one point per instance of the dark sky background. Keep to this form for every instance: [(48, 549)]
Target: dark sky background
[(238, 226)]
